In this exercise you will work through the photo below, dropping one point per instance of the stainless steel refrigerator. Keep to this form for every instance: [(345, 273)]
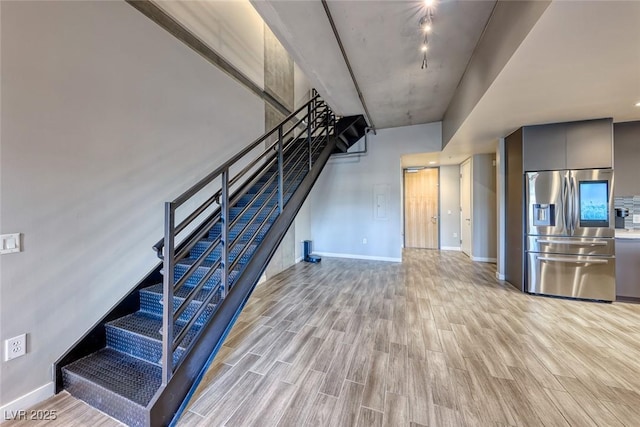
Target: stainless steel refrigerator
[(570, 233)]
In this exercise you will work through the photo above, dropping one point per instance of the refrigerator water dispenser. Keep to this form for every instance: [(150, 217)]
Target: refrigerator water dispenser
[(544, 214)]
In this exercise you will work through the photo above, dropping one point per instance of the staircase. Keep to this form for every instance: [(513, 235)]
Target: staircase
[(140, 363)]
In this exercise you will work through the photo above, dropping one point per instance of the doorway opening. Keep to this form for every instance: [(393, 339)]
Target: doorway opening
[(421, 208)]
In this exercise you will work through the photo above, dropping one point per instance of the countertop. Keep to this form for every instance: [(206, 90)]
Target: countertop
[(627, 234)]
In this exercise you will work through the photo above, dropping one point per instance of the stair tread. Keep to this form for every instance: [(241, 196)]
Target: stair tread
[(148, 325), (127, 376)]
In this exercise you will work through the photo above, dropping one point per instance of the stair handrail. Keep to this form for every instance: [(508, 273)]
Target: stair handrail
[(316, 123), (179, 200)]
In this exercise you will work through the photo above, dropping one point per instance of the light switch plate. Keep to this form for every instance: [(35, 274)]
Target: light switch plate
[(636, 219), (10, 243)]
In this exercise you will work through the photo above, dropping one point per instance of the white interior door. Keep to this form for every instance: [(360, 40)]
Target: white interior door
[(465, 207)]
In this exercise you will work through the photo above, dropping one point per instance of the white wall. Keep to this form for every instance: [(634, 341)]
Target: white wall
[(104, 117), (342, 201), (450, 207)]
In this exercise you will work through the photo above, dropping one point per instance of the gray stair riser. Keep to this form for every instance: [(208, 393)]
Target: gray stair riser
[(117, 406), (151, 302), (140, 346)]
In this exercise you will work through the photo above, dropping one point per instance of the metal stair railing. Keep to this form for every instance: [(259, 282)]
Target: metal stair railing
[(303, 130)]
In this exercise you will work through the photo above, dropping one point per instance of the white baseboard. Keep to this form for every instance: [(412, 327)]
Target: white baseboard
[(355, 256), (483, 259), (30, 399), (299, 259), (499, 276), (450, 248), (262, 278)]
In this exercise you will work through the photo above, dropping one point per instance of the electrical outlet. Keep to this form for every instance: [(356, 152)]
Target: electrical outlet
[(636, 219), (15, 347), (455, 234), (364, 241)]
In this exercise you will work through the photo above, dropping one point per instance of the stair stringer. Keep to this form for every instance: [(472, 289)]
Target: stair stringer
[(170, 400)]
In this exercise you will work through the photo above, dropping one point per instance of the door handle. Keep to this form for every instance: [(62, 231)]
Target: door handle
[(434, 219), (572, 260), (569, 243)]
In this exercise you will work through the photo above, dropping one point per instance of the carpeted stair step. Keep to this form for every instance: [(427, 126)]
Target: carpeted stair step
[(261, 199), (252, 213), (183, 265), (234, 232), (115, 383), (151, 301), (215, 255), (138, 335)]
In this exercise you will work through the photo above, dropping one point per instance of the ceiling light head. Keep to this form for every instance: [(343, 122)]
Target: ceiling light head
[(424, 62), (429, 3), (426, 28), (424, 48), (638, 104)]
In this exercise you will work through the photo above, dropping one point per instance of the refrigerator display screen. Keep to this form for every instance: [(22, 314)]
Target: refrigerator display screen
[(594, 203)]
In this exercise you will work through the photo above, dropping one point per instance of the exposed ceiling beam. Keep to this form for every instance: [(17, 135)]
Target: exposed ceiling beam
[(346, 61), (508, 26)]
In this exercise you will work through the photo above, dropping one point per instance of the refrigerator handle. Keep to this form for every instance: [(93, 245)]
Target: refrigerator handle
[(565, 204), (574, 205)]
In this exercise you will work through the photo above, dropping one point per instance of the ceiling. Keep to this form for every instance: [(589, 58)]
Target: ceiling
[(580, 60), (382, 40)]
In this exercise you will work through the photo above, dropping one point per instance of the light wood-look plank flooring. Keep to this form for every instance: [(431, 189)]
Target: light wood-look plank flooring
[(433, 341)]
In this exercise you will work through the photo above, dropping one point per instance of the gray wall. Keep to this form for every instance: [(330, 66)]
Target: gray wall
[(450, 207), (278, 82), (104, 117), (484, 208), (342, 201), (302, 93), (626, 154)]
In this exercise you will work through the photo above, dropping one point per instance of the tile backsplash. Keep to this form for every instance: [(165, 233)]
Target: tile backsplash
[(633, 204)]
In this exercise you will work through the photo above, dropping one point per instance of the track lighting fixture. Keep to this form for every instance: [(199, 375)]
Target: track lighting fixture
[(426, 25)]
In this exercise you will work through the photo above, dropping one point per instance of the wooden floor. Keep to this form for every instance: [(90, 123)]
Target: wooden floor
[(434, 341)]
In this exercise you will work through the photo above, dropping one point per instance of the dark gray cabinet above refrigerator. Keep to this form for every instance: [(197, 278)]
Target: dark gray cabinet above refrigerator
[(585, 144)]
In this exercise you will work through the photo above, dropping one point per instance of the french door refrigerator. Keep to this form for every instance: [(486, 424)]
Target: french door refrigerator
[(570, 234)]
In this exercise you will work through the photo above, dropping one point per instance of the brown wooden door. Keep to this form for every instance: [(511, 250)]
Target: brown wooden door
[(421, 209)]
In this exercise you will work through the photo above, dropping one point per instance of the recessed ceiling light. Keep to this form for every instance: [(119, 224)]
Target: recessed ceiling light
[(637, 104), (424, 47), (429, 3), (432, 162), (427, 28)]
